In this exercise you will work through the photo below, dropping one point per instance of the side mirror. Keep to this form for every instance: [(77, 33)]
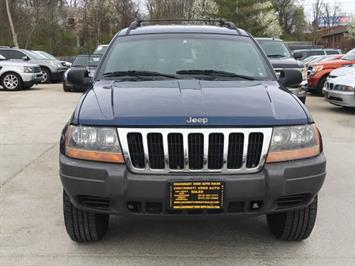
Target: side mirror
[(2, 58), (290, 77), (297, 55), (25, 58), (79, 77)]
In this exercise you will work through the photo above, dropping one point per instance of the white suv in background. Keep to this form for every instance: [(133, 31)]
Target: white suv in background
[(52, 70), (18, 75)]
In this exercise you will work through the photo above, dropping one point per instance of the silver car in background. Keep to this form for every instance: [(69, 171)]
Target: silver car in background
[(340, 91), (52, 70), (18, 75), (343, 71), (52, 57)]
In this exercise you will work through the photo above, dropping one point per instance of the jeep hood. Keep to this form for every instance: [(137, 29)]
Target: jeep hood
[(172, 103)]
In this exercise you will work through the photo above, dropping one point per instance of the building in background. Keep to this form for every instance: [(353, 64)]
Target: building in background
[(333, 32), (336, 37)]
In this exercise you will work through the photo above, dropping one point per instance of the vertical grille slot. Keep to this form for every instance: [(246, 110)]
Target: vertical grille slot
[(195, 142), (176, 151), (155, 151), (235, 151), (215, 151), (136, 150), (254, 149)]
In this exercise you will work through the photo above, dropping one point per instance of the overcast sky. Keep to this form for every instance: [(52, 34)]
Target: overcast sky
[(346, 6)]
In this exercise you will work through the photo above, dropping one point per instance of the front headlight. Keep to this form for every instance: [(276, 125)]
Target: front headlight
[(94, 144), (294, 143), (344, 88), (28, 69), (56, 64)]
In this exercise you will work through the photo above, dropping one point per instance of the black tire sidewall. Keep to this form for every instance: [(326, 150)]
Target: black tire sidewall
[(48, 73), (294, 225), (81, 225), (321, 84)]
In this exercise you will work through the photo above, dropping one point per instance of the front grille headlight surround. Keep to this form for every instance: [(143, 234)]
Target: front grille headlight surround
[(316, 69), (93, 143), (66, 74), (28, 69), (294, 143)]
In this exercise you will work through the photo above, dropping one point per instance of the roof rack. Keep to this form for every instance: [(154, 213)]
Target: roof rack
[(221, 22)]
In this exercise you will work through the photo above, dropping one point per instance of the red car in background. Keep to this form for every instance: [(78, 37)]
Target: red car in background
[(319, 72)]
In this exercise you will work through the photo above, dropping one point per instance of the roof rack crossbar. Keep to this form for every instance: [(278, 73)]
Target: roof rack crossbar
[(221, 22)]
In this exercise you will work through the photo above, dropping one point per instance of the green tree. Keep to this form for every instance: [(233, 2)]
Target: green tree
[(245, 14), (291, 18)]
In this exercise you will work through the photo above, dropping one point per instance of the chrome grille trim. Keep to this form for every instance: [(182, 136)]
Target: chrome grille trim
[(123, 132)]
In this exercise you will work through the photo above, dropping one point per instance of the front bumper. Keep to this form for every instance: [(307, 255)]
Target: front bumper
[(300, 92), (340, 98), (113, 189), (34, 78), (59, 74), (72, 87)]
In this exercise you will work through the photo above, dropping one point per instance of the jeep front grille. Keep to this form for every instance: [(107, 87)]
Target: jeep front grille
[(172, 150)]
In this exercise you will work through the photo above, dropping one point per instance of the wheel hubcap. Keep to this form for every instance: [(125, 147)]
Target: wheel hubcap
[(10, 82), (44, 76)]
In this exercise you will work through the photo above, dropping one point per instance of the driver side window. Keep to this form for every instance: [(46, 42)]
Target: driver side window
[(15, 55)]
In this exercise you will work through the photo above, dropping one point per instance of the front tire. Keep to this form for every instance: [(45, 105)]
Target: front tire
[(27, 87), (11, 81), (65, 88), (83, 226), (293, 225), (321, 85), (46, 75)]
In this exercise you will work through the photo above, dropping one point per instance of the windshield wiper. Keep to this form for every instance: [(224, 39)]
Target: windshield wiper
[(213, 73), (134, 73)]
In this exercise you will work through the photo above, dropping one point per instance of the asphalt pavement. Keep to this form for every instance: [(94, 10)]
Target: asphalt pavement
[(31, 222)]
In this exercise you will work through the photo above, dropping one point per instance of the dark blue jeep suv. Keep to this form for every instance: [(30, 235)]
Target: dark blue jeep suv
[(189, 120)]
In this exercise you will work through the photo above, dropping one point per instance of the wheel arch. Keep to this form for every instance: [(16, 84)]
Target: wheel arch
[(11, 71)]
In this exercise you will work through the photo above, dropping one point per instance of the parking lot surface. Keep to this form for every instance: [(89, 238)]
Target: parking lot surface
[(32, 229)]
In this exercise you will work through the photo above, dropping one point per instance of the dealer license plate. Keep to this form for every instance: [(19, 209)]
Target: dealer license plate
[(192, 195)]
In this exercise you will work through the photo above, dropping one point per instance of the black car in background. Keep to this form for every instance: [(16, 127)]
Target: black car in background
[(89, 62), (283, 59)]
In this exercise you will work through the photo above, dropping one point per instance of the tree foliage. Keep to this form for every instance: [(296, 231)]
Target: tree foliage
[(66, 27), (291, 18), (245, 14)]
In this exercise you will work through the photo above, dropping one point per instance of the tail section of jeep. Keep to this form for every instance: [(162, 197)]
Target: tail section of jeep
[(185, 120)]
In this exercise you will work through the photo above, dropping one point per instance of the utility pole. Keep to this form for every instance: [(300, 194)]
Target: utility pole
[(14, 36)]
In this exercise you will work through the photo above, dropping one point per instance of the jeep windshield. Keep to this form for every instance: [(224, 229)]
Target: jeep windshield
[(185, 56), (274, 48)]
